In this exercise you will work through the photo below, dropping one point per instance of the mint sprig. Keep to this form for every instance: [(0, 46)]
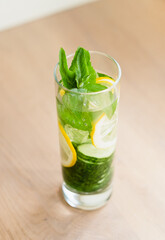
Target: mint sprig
[(81, 74)]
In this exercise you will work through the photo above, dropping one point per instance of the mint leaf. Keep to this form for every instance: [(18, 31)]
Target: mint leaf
[(68, 77), (81, 66), (80, 90), (77, 119), (95, 87), (103, 75), (110, 110), (85, 73), (74, 61)]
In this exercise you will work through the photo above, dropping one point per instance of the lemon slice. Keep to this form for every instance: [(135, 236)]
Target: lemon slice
[(68, 153), (107, 81), (103, 133), (62, 92)]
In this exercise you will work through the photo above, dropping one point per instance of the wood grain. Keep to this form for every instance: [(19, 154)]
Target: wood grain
[(31, 203)]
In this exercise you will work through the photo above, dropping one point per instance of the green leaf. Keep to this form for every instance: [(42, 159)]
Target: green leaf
[(81, 74), (81, 66), (95, 87), (76, 118), (68, 77), (73, 65), (110, 110), (85, 69), (103, 75), (80, 90)]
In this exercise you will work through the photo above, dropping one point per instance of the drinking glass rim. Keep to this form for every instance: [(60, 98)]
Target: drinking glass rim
[(91, 93)]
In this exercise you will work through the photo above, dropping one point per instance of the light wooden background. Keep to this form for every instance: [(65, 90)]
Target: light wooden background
[(31, 203)]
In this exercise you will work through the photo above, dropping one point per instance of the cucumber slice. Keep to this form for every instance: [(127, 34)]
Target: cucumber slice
[(90, 151)]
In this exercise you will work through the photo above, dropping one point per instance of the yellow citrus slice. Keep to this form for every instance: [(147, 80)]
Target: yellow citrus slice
[(103, 133), (107, 81), (68, 153), (62, 92)]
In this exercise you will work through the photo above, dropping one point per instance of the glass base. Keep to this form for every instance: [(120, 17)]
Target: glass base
[(88, 201)]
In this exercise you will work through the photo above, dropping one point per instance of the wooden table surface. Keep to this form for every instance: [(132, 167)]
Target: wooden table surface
[(31, 203)]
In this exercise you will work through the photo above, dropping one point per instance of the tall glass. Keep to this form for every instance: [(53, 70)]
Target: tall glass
[(87, 134)]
